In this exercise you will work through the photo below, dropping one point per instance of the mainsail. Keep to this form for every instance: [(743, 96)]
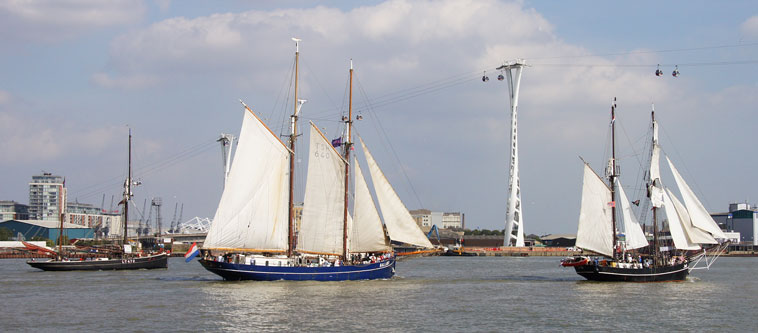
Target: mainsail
[(253, 211), (321, 226), (400, 224), (595, 232), (699, 215), (366, 233), (635, 238)]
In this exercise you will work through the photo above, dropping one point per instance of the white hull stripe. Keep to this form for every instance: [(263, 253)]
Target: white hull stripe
[(655, 274)]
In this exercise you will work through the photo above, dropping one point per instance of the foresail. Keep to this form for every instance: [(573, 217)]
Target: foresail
[(699, 215), (595, 232), (695, 235), (254, 207), (321, 226), (681, 241), (367, 232), (400, 225), (635, 238)]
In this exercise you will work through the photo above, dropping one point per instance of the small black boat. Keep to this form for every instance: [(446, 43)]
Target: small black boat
[(125, 260), (103, 264)]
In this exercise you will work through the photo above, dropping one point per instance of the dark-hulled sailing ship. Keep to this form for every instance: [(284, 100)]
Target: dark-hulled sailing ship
[(690, 234), (122, 259)]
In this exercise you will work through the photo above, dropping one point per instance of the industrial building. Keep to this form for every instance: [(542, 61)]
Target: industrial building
[(742, 219), (443, 220), (46, 229)]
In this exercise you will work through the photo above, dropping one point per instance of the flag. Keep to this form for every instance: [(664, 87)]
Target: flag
[(191, 253), (337, 142)]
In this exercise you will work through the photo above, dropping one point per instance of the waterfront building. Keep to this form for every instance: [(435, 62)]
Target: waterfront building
[(443, 220), (742, 219), (46, 197), (559, 240), (11, 210), (423, 217), (453, 220), (45, 229)]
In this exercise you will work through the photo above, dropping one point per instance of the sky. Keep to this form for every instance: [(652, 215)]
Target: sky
[(75, 75)]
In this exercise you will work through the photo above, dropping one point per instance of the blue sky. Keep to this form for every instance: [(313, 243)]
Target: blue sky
[(76, 73)]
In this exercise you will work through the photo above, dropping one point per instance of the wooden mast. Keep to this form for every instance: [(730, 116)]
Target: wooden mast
[(612, 176), (293, 137), (348, 144), (61, 217), (128, 189)]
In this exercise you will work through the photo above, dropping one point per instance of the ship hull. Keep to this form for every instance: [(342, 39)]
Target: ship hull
[(150, 262), (616, 274), (235, 272)]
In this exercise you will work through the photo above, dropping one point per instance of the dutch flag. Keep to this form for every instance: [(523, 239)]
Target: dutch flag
[(191, 253)]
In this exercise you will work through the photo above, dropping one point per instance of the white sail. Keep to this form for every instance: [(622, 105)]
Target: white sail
[(254, 208), (635, 238), (595, 227), (321, 226), (699, 215), (366, 230), (695, 235), (675, 226), (655, 189), (400, 224)]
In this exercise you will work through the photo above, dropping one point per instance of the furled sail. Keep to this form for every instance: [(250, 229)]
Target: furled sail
[(635, 238), (595, 228), (400, 224), (321, 226), (695, 235), (681, 241), (367, 232), (699, 215), (254, 208)]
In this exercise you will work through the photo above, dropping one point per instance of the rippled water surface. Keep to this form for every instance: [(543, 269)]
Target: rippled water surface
[(427, 294)]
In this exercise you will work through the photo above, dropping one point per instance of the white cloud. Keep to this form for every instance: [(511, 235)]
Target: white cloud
[(750, 27), (53, 20), (135, 81), (25, 138), (5, 97)]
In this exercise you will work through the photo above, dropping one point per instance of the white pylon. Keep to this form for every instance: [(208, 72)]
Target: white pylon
[(514, 216)]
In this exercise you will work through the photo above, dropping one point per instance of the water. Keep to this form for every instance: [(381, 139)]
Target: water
[(437, 293)]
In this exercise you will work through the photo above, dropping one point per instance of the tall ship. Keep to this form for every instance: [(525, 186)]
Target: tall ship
[(254, 235), (121, 259), (687, 239)]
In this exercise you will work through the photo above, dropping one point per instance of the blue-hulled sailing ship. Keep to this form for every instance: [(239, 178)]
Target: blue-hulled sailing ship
[(254, 235)]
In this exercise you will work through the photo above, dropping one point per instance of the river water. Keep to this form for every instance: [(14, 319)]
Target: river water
[(480, 294)]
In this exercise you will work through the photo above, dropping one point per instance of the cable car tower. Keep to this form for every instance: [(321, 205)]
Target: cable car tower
[(514, 217)]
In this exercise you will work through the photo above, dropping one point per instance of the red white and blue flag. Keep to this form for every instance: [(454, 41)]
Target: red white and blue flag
[(191, 253)]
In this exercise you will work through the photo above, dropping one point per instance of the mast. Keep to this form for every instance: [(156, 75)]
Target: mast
[(612, 174), (128, 188), (61, 216), (293, 137), (348, 143)]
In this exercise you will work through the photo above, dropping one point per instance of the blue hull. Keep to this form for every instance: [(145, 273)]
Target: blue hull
[(236, 272)]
